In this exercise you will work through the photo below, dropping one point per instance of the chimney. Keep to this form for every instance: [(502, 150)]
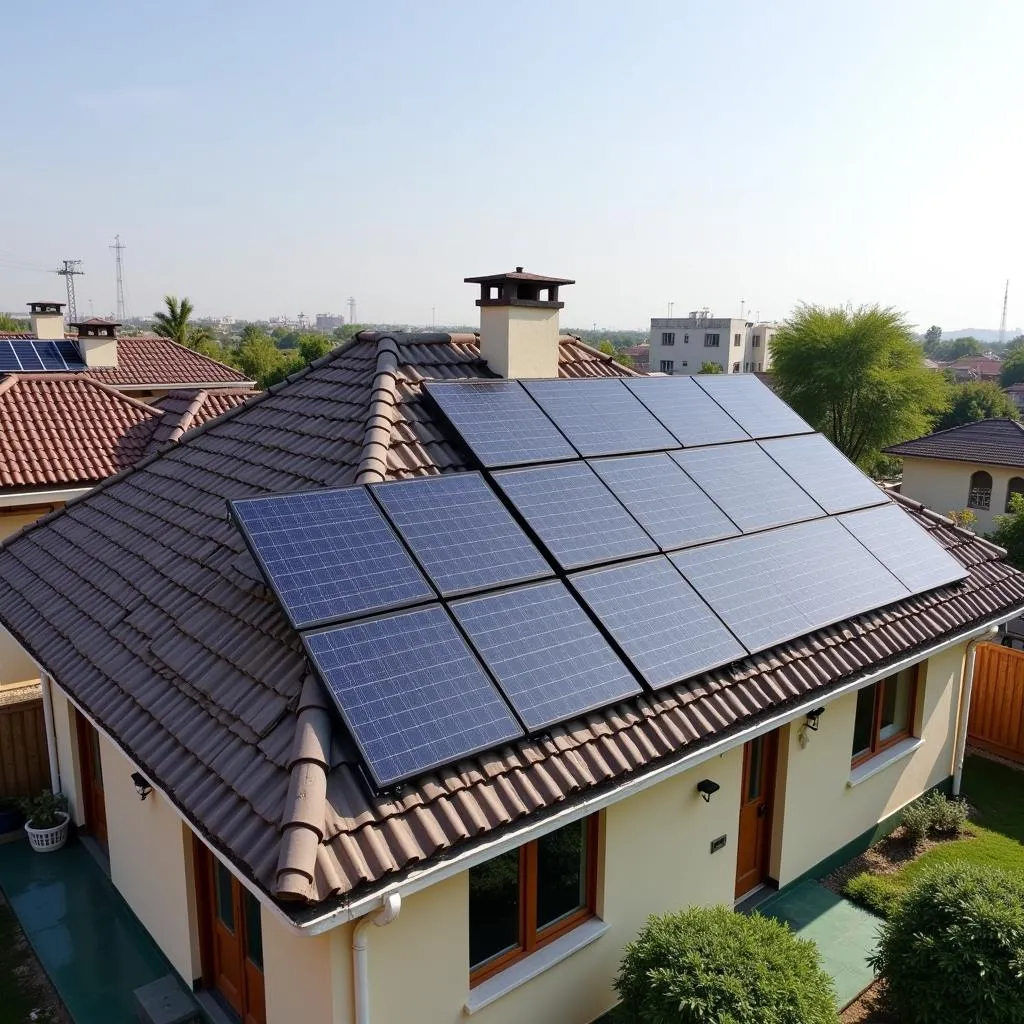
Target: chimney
[(519, 323), (97, 342), (47, 320)]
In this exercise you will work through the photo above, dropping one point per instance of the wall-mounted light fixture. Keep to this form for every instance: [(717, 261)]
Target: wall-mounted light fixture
[(813, 717), (141, 784), (707, 789)]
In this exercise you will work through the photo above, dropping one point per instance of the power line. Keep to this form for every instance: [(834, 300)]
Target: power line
[(69, 271), (118, 248)]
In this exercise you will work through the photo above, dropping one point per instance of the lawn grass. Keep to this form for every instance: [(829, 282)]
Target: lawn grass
[(996, 838), (25, 995)]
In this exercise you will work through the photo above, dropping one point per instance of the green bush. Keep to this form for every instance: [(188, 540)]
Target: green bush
[(878, 893), (952, 951), (916, 821), (934, 814), (711, 966)]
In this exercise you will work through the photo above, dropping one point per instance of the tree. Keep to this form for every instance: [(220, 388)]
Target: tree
[(347, 331), (961, 348), (710, 368), (174, 323), (313, 347), (1015, 344), (976, 400), (932, 338), (856, 375), (608, 348), (259, 358), (1009, 531), (9, 323), (1013, 368)]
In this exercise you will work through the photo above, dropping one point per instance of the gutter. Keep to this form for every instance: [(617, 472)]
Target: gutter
[(42, 497), (966, 689), (361, 954), (51, 733)]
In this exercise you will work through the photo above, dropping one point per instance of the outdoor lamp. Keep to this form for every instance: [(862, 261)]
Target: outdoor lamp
[(142, 787), (707, 789), (813, 717)]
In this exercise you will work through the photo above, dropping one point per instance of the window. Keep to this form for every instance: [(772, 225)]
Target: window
[(666, 365), (668, 337), (758, 367), (1016, 486), (711, 340), (736, 367), (737, 340), (746, 367), (526, 898), (885, 715), (756, 343), (980, 494), (683, 363), (686, 339)]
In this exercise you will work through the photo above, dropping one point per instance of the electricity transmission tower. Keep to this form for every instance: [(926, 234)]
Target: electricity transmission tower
[(69, 271), (1002, 323), (351, 310), (118, 247)]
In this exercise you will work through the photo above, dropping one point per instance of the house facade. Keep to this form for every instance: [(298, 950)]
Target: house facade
[(207, 762), (684, 344)]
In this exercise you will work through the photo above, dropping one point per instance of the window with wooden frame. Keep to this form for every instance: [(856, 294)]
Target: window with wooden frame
[(526, 898), (885, 715)]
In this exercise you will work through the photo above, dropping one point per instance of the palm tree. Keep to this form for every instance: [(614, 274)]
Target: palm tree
[(174, 323)]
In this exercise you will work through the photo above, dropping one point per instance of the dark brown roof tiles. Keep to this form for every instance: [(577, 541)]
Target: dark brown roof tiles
[(998, 442)]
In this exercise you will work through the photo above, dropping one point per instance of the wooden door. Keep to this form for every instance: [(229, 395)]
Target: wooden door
[(754, 844), (232, 942), (91, 773)]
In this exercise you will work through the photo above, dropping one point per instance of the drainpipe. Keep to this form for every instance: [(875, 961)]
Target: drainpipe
[(965, 708), (361, 953), (51, 735)]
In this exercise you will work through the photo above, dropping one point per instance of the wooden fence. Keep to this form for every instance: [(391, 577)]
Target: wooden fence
[(24, 766), (996, 723)]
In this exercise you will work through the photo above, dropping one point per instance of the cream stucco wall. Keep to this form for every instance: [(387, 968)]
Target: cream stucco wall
[(67, 753), (520, 341), (943, 486)]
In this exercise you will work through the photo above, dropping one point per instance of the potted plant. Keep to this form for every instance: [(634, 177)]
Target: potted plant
[(47, 821)]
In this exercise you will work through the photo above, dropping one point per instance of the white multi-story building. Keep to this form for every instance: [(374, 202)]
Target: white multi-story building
[(684, 344)]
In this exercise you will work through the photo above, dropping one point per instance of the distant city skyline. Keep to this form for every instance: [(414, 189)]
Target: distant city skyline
[(663, 152)]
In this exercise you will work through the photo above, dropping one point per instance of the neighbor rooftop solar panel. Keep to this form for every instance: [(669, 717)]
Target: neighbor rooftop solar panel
[(753, 405), (410, 691), (28, 355), (692, 416)]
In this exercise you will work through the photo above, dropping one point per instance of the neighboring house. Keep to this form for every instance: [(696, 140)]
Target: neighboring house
[(505, 884), (683, 344), (640, 357), (975, 368), (977, 466), (1016, 394)]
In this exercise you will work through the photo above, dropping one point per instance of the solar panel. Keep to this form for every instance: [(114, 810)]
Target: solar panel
[(657, 619), (68, 351), (549, 659), (27, 355), (600, 416), (782, 584), (664, 500), (8, 360), (463, 536), (753, 405), (688, 412), (920, 562), (329, 555), (573, 514), (747, 485), (410, 691), (49, 355), (499, 422)]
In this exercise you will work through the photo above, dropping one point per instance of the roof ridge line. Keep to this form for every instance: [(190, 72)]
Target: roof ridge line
[(939, 519), (373, 461)]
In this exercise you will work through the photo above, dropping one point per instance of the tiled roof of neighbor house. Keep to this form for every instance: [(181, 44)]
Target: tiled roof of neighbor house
[(189, 408), (998, 442), (982, 366), (160, 362), (141, 600)]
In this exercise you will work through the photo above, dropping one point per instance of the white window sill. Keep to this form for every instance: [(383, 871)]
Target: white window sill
[(888, 757), (529, 967)]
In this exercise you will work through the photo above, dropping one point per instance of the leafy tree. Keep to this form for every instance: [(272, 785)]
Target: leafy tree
[(1009, 531), (856, 375), (608, 348), (313, 346), (1015, 344), (1013, 368), (976, 400), (932, 338), (961, 348), (201, 338), (259, 358), (9, 323), (174, 322), (963, 517), (347, 331), (710, 368)]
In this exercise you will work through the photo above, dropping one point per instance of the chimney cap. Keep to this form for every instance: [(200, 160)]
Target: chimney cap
[(46, 306), (95, 321), (517, 275)]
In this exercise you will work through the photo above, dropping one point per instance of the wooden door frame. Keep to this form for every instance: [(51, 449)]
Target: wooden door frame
[(770, 818), (86, 737)]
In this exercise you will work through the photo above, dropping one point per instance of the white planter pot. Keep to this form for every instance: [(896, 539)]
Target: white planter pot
[(46, 840)]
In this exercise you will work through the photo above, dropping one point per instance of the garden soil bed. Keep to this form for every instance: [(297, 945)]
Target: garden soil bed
[(868, 1008)]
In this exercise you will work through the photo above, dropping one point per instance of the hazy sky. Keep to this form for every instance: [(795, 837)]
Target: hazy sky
[(268, 158)]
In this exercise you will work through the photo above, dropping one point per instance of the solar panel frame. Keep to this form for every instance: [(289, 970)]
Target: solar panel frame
[(747, 485), (397, 583), (600, 416), (27, 355), (49, 355), (688, 412), (460, 533), (9, 362), (499, 422), (664, 500), (550, 501), (904, 547), (753, 405), (411, 692), (548, 658), (71, 355), (662, 625)]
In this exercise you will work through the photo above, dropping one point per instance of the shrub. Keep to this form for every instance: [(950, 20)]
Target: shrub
[(953, 949), (950, 816), (45, 810), (934, 814), (916, 819), (708, 965), (878, 893)]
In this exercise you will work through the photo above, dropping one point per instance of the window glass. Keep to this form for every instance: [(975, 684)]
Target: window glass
[(895, 706), (754, 770), (864, 722), (1015, 486), (225, 904), (253, 931), (561, 873), (493, 907)]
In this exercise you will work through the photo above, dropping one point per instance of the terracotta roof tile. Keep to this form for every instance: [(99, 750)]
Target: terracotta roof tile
[(161, 362)]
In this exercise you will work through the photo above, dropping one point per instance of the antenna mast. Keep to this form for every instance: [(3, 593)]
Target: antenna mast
[(69, 271), (118, 247), (1002, 323), (351, 310)]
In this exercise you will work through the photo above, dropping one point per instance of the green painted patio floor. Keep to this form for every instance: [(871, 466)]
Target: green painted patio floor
[(844, 933), (90, 944)]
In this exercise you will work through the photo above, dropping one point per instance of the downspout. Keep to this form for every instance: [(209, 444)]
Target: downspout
[(51, 734), (965, 708), (361, 953)]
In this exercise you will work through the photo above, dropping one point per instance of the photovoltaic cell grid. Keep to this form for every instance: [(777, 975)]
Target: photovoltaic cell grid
[(500, 423), (664, 500), (330, 555), (658, 620), (775, 586), (411, 692), (549, 659), (600, 416), (33, 356), (689, 413), (898, 542), (834, 482), (460, 532), (753, 405), (747, 485), (575, 516)]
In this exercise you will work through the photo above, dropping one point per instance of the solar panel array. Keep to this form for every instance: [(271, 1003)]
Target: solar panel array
[(679, 546), (30, 355)]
